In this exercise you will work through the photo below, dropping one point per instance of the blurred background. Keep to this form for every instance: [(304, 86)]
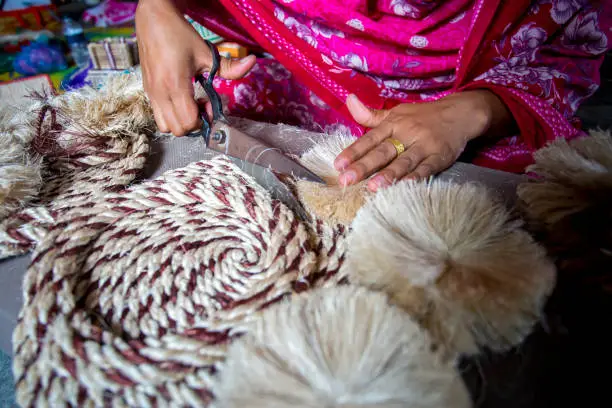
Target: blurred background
[(52, 42), (58, 45)]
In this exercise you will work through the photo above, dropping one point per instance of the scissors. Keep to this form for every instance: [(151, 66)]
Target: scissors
[(219, 136)]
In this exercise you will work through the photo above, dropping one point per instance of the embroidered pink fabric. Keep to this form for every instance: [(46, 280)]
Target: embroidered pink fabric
[(541, 57)]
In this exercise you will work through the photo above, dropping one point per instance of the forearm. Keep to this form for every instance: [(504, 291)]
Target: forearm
[(148, 8), (485, 107)]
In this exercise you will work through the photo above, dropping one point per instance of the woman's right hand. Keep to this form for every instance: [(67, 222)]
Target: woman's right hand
[(171, 54)]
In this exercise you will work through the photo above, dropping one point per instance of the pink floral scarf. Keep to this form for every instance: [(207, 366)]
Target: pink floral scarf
[(540, 57)]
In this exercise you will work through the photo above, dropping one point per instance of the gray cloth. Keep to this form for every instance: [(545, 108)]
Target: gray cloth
[(171, 153)]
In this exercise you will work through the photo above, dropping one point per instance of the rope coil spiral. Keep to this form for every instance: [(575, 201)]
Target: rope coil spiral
[(132, 301)]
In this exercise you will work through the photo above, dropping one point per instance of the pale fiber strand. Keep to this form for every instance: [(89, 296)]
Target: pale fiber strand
[(338, 347), (453, 258)]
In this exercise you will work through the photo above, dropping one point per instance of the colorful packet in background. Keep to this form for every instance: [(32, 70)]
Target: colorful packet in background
[(110, 13), (39, 57)]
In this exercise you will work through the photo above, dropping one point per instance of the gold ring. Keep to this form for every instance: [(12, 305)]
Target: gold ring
[(399, 146)]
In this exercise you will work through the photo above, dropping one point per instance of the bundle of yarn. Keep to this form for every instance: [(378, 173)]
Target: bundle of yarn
[(568, 202), (68, 148), (198, 288)]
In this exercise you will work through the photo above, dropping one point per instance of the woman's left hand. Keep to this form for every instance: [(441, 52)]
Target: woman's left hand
[(434, 134)]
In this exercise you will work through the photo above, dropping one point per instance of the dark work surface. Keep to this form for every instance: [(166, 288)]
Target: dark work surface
[(567, 361), (566, 364)]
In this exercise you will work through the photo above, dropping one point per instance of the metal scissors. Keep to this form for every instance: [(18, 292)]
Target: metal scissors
[(218, 135), (213, 96)]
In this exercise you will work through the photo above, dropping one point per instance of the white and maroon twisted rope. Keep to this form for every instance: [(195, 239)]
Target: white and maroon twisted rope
[(330, 245), (132, 301), (91, 142), (114, 163)]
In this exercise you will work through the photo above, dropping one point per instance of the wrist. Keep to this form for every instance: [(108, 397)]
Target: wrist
[(490, 112)]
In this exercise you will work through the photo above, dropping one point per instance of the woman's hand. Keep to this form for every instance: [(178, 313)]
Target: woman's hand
[(171, 54), (434, 135)]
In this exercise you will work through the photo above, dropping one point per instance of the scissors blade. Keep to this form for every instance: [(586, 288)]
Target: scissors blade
[(234, 143)]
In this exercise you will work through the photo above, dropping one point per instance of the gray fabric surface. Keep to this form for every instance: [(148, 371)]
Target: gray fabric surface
[(171, 153)]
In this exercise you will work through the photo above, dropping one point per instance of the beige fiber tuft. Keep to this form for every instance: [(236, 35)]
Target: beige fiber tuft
[(338, 347), (120, 107), (451, 257), (20, 173), (570, 177), (331, 203)]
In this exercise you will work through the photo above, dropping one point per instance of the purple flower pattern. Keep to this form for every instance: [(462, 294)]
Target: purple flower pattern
[(301, 30), (245, 96), (518, 67), (325, 31), (404, 8), (300, 113), (563, 10), (515, 68), (316, 101), (526, 41), (583, 33)]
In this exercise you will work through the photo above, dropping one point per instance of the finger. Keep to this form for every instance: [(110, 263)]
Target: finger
[(430, 166), (400, 167), (158, 113), (362, 146), (159, 117), (183, 114), (172, 120), (187, 113), (235, 69), (363, 115), (372, 161), (209, 110), (204, 105)]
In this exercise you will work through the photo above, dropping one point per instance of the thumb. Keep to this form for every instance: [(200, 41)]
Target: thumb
[(228, 68), (363, 115), (235, 69)]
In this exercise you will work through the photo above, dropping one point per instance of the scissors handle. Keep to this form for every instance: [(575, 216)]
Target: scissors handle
[(213, 96)]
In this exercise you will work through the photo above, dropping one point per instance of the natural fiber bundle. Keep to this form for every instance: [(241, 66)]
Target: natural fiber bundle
[(62, 191), (331, 202), (453, 258), (132, 300), (88, 126), (19, 184), (570, 193), (90, 142), (338, 347), (20, 173), (120, 107)]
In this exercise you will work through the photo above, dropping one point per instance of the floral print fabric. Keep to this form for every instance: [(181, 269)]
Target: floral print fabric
[(541, 57)]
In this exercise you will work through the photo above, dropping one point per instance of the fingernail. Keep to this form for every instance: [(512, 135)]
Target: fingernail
[(352, 98), (340, 164), (347, 178), (380, 181), (245, 60)]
